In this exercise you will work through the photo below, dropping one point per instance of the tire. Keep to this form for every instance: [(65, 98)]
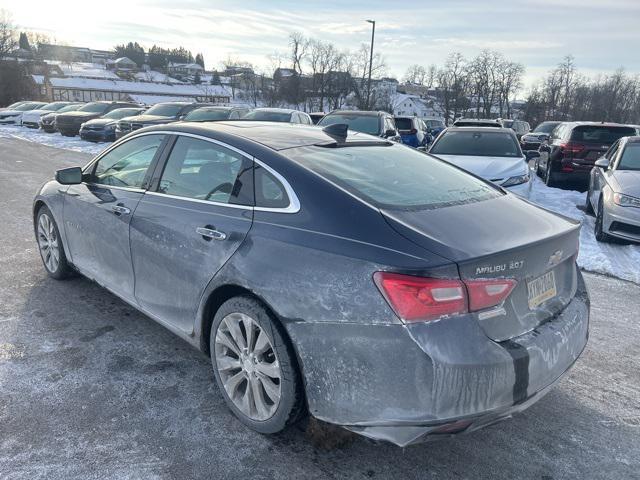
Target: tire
[(549, 181), (600, 234), (588, 208), (50, 246), (240, 372)]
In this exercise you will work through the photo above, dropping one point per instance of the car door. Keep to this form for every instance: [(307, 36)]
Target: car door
[(97, 212), (188, 225)]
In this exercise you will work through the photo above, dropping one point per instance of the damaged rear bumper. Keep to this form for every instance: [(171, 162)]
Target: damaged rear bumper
[(408, 384)]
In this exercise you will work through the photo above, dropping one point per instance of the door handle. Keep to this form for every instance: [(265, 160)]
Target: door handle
[(211, 234), (120, 210)]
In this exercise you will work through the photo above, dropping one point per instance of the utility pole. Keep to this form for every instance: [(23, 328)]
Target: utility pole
[(373, 33)]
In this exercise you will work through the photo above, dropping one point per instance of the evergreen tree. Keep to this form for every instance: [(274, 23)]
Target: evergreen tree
[(200, 60), (24, 42), (197, 79)]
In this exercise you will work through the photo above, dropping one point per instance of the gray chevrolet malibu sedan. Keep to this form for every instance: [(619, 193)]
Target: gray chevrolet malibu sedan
[(328, 273), (614, 192)]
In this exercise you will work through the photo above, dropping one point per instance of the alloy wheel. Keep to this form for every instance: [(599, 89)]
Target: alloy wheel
[(48, 243), (248, 366)]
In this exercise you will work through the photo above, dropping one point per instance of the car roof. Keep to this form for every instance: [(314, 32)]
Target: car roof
[(274, 135), (276, 110), (596, 124), (480, 129), (364, 113)]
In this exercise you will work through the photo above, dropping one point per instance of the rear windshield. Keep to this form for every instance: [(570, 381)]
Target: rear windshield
[(394, 177), (507, 123), (165, 110), (404, 123), (94, 107), (434, 123), (480, 144), (600, 134), (267, 116), (201, 115), (546, 127), (358, 123), (69, 108), (630, 159)]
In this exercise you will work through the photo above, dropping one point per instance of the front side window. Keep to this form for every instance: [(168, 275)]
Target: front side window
[(127, 164), (203, 170), (394, 177), (480, 144)]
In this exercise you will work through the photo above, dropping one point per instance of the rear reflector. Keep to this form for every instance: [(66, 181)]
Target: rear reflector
[(420, 299)]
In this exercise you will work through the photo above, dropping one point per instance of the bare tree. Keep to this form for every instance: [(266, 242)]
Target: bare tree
[(8, 41), (415, 74)]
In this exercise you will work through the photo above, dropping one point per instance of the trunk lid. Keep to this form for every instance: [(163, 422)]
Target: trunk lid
[(503, 237)]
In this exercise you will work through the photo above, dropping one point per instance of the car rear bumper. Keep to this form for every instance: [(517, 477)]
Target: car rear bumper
[(407, 384)]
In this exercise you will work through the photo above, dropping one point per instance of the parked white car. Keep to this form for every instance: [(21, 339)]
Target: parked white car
[(31, 118), (14, 115), (491, 153)]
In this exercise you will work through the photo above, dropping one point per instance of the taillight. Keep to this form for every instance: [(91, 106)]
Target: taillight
[(420, 299), (488, 292), (571, 147)]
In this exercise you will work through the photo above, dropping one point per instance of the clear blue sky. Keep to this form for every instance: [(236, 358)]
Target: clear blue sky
[(601, 35)]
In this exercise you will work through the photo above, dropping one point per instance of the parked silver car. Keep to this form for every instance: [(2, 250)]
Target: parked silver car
[(614, 192)]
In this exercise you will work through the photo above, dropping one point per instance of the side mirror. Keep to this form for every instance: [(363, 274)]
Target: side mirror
[(390, 133), (69, 176), (602, 163), (531, 154)]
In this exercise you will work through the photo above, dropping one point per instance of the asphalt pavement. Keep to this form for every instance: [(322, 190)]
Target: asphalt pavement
[(92, 389)]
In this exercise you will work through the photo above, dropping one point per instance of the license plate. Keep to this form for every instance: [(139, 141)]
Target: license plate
[(541, 289)]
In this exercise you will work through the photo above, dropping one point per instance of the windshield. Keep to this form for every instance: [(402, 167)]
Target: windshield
[(507, 123), (434, 123), (13, 105), (165, 110), (121, 113), (404, 123), (359, 123), (204, 115), (268, 116), (53, 107), (69, 108), (600, 134), (480, 144), (29, 106), (546, 127), (94, 107), (394, 177), (630, 159)]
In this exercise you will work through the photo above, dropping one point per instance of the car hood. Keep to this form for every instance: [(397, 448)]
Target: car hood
[(100, 122), (627, 182), (149, 119), (489, 168), (5, 113)]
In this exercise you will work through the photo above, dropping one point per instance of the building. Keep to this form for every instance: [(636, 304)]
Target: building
[(188, 69), (64, 53), (90, 90), (122, 63), (413, 105)]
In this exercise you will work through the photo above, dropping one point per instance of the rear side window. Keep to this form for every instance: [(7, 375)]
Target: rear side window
[(394, 177), (203, 170), (270, 192), (476, 143), (600, 134)]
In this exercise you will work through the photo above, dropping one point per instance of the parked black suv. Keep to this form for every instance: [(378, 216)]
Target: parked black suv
[(574, 147), (160, 113), (380, 124), (68, 124)]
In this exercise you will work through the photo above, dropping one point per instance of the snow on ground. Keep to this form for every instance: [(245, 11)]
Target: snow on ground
[(52, 139), (614, 259)]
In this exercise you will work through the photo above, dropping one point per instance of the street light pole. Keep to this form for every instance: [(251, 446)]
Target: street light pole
[(373, 33)]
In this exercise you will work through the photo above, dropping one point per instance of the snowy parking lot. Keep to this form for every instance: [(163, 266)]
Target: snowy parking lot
[(615, 259)]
